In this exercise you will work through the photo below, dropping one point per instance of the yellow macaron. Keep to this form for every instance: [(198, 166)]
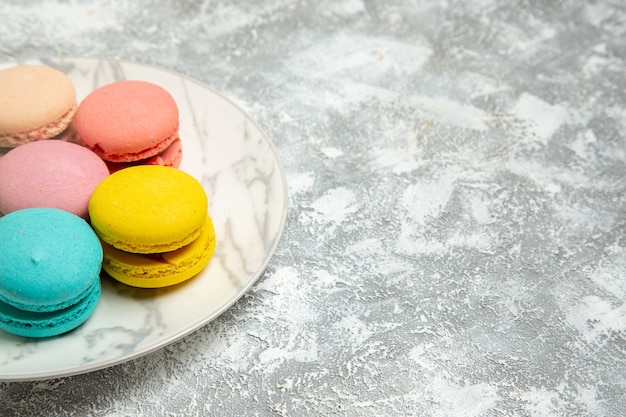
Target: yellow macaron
[(154, 225), (148, 209)]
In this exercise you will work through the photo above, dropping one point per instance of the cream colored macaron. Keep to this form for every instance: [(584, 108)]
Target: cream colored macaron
[(36, 102)]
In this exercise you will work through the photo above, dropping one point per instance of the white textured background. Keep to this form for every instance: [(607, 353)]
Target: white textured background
[(456, 237)]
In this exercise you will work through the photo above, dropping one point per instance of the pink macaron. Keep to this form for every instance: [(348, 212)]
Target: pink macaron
[(50, 173), (129, 122)]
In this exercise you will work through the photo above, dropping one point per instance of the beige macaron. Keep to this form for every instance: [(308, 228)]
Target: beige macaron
[(36, 102)]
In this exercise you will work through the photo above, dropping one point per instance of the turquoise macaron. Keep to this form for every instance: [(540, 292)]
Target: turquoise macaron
[(50, 263)]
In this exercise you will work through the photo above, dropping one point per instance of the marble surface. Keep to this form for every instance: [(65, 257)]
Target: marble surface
[(455, 242)]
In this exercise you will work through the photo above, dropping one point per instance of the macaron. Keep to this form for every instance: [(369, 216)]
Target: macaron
[(148, 209), (128, 121), (159, 217), (50, 173), (36, 102), (50, 262)]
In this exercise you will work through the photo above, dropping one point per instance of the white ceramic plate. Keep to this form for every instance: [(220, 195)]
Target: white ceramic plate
[(244, 180)]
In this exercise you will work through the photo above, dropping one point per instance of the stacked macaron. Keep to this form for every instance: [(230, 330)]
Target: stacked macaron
[(50, 263), (130, 123), (90, 186), (125, 210)]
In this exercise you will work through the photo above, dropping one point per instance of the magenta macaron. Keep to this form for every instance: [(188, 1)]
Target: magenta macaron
[(130, 123), (50, 173)]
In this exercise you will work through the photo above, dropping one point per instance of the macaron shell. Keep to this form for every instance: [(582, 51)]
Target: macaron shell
[(50, 173), (49, 259), (148, 209), (33, 97), (163, 269), (127, 120), (48, 324)]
